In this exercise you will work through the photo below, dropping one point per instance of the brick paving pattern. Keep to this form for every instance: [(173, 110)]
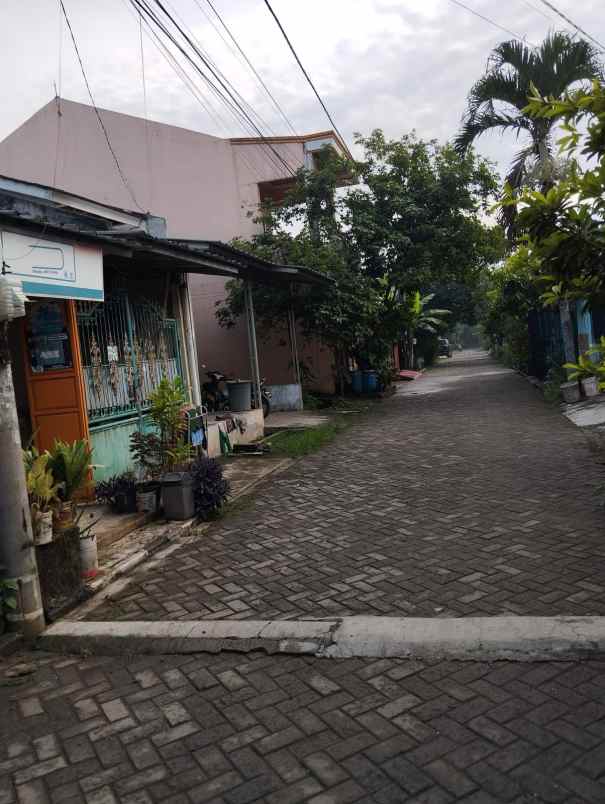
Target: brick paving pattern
[(236, 728), (477, 499)]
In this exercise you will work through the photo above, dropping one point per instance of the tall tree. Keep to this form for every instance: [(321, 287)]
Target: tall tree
[(498, 101), (412, 221)]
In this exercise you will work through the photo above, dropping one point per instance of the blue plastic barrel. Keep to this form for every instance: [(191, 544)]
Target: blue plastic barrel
[(370, 382), (357, 382)]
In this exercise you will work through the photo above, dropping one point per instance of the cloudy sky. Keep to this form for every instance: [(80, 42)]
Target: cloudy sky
[(394, 64)]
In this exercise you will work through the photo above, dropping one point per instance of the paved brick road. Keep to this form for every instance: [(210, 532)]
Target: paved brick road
[(233, 728), (474, 499)]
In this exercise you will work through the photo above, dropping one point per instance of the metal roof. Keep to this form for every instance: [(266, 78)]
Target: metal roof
[(182, 256)]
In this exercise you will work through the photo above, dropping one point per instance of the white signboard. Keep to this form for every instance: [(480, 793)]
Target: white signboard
[(51, 269)]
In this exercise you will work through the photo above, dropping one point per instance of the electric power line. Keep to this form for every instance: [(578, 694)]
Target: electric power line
[(94, 106), (491, 22), (189, 84), (573, 25), (251, 66), (304, 72), (538, 11), (222, 88)]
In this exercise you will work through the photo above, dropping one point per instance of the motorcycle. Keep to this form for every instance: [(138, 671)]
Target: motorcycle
[(215, 393)]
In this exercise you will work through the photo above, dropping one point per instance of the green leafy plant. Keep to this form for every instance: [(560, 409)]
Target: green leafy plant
[(115, 489), (146, 450), (552, 384), (168, 447), (42, 489), (71, 467), (167, 411), (583, 369), (179, 455)]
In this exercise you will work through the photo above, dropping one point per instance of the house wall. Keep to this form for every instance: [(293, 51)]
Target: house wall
[(205, 187)]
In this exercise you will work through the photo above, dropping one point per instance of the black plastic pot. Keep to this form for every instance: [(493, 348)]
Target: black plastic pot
[(177, 495), (126, 501)]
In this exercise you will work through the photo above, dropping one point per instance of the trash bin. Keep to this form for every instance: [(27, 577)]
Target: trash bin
[(357, 382), (177, 495), (370, 382), (240, 395)]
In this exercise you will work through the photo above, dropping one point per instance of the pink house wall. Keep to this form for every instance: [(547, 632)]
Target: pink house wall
[(205, 187)]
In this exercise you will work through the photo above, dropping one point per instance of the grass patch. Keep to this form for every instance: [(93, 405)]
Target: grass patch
[(296, 443)]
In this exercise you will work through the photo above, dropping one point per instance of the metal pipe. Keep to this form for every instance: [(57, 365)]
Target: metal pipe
[(252, 345), (191, 345)]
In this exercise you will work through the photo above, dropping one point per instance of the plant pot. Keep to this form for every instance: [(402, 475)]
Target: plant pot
[(570, 392), (147, 495), (125, 502), (89, 559), (43, 527), (63, 518), (590, 386), (177, 495)]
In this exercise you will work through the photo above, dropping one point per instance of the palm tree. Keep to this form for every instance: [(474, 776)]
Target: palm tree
[(497, 100)]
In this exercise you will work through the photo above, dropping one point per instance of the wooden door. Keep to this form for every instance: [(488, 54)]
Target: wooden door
[(55, 384)]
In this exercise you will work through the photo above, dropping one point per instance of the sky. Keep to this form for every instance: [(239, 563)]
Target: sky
[(392, 64)]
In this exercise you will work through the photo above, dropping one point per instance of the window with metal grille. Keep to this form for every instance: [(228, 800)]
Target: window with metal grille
[(128, 345)]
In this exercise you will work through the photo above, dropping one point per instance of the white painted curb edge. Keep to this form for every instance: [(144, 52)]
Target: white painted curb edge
[(520, 638)]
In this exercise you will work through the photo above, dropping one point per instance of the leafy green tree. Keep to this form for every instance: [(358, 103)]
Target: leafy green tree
[(412, 219), (498, 101), (565, 226)]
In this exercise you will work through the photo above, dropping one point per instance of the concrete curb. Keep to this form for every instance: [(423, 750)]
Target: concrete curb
[(469, 638)]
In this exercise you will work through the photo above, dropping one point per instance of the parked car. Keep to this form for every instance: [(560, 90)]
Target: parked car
[(445, 350)]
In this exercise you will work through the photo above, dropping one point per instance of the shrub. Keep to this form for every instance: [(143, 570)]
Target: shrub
[(211, 490)]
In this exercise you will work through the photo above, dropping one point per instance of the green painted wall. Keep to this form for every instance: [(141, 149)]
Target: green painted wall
[(111, 446)]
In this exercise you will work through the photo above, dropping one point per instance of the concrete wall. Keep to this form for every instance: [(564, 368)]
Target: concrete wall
[(286, 397)]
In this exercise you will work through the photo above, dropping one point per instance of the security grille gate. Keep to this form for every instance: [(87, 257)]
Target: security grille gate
[(127, 347)]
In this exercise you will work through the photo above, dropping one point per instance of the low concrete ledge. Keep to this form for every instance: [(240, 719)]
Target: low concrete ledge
[(202, 636), (484, 638)]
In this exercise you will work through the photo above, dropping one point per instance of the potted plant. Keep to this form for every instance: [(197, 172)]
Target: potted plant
[(586, 372), (71, 467), (119, 492), (146, 451), (42, 492)]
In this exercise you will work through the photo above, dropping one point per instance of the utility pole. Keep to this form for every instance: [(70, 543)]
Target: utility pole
[(17, 553)]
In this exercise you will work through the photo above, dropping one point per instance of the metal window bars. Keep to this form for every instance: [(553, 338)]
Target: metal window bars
[(128, 345)]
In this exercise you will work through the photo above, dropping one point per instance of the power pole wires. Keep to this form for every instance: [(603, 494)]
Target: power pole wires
[(94, 106), (251, 66), (573, 25), (304, 72), (491, 22)]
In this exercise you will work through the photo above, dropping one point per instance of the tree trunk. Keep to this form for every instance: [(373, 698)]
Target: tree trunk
[(407, 349)]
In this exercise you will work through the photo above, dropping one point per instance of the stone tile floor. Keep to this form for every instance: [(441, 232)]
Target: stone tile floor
[(235, 728), (465, 494)]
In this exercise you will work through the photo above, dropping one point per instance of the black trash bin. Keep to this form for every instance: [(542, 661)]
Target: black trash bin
[(177, 495)]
